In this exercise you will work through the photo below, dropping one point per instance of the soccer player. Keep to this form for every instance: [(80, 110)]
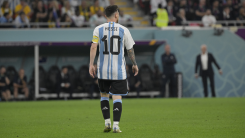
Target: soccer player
[(111, 66)]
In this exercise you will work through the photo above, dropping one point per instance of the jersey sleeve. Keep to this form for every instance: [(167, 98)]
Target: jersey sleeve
[(95, 35), (128, 41)]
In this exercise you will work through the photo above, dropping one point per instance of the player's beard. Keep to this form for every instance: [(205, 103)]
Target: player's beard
[(117, 21)]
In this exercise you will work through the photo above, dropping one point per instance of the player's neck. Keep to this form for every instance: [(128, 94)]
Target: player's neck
[(111, 20)]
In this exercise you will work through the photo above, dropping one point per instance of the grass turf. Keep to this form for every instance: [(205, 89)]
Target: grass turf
[(155, 118)]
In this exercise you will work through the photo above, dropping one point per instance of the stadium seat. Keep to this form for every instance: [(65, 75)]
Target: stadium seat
[(84, 79), (42, 80), (73, 76), (52, 73), (146, 74)]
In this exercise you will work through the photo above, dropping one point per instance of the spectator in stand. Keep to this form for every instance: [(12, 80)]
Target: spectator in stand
[(236, 4), (133, 81), (22, 21), (112, 2), (136, 3), (20, 85), (96, 7), (208, 20), (188, 13), (241, 16), (67, 9), (66, 19), (154, 7), (162, 17), (78, 19), (84, 10), (191, 6), (4, 82), (51, 20), (97, 19), (23, 7), (231, 7), (181, 18), (40, 13), (12, 4), (104, 3), (33, 4), (6, 18), (146, 4), (226, 16), (200, 10), (125, 19), (63, 82), (243, 4), (171, 12), (216, 10), (55, 11), (74, 3), (5, 9)]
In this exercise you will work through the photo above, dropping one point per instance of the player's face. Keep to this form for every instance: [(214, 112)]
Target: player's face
[(22, 72), (167, 49), (3, 70), (204, 49)]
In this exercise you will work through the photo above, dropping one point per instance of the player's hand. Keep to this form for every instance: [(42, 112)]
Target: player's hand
[(220, 72), (196, 76), (135, 70), (92, 71)]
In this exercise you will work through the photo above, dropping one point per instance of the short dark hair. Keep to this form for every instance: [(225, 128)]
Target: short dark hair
[(21, 13), (110, 10), (63, 67), (5, 14)]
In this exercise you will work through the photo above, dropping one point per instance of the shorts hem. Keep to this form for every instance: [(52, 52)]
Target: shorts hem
[(118, 94)]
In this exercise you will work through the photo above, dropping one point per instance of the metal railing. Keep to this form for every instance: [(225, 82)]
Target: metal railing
[(226, 23), (40, 24)]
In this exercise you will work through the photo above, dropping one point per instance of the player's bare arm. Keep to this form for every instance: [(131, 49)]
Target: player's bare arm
[(131, 56), (93, 49)]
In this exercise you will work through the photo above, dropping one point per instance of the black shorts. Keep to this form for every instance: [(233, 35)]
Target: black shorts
[(113, 87), (3, 89)]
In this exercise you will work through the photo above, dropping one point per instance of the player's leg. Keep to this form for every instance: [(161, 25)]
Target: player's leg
[(8, 94), (26, 91), (211, 78), (204, 83), (4, 95), (117, 111), (16, 92), (104, 103), (105, 108)]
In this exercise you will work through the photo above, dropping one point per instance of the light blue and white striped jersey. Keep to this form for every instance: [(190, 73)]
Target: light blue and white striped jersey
[(112, 38)]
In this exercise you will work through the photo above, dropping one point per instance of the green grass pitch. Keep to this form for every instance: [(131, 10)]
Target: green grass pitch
[(141, 118)]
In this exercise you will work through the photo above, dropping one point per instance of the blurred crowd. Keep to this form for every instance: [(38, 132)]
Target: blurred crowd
[(176, 12), (89, 13), (55, 13)]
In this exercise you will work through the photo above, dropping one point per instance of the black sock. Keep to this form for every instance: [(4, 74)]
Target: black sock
[(117, 110), (105, 107)]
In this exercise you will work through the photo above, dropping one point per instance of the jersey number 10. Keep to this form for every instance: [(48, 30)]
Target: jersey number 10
[(111, 44)]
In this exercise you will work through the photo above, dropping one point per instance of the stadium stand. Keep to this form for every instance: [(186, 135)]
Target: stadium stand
[(142, 13)]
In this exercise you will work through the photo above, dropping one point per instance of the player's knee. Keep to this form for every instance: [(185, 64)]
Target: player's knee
[(115, 97), (104, 95), (117, 101)]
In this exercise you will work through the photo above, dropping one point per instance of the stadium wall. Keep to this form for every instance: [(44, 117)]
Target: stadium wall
[(228, 50)]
